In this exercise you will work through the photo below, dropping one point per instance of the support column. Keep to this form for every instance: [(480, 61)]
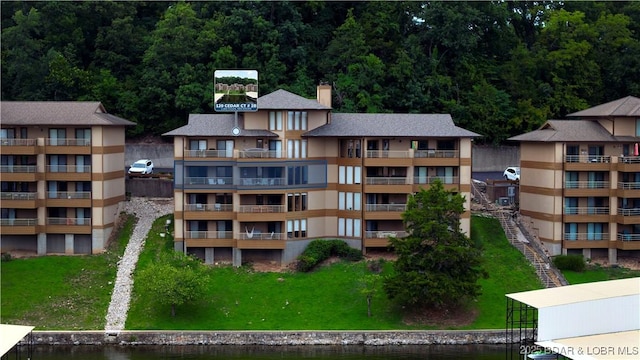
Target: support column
[(613, 256), (209, 255), (42, 244), (236, 254), (586, 253), (68, 244)]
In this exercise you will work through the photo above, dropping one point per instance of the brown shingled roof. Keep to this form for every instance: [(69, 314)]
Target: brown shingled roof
[(215, 125), (405, 125), (58, 113), (627, 106), (567, 130), (282, 99)]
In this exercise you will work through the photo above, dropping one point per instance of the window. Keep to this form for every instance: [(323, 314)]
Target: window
[(297, 202), (349, 174), (58, 163), (349, 201), (57, 137), (83, 136), (297, 149), (297, 228), (197, 144), (297, 175), (297, 120), (349, 227), (7, 133), (275, 120)]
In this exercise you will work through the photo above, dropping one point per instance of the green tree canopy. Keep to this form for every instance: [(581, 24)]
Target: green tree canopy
[(437, 263)]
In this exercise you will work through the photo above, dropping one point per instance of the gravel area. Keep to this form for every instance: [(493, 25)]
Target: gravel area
[(146, 211)]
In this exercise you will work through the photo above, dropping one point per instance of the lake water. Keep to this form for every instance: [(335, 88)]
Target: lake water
[(316, 352)]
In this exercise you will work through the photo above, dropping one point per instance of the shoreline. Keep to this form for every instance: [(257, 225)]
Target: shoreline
[(270, 338)]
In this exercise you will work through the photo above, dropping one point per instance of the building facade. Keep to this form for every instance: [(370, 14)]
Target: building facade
[(61, 175), (262, 185), (580, 181)]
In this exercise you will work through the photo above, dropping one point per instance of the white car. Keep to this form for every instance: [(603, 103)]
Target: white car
[(141, 167), (512, 173)]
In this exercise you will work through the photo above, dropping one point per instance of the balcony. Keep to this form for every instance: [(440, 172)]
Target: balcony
[(587, 162), (19, 226), (208, 153), (386, 207), (260, 182), (68, 146), (209, 207), (209, 181), (19, 146), (381, 238), (380, 184), (209, 239), (208, 211), (629, 163), (627, 241), (586, 236), (69, 172), (68, 225), (69, 199), (259, 153), (261, 209), (628, 216), (587, 214), (18, 173), (628, 190), (259, 240), (587, 188), (388, 158), (18, 200), (586, 241), (261, 213)]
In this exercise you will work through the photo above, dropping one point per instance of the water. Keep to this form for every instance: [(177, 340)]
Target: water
[(316, 352)]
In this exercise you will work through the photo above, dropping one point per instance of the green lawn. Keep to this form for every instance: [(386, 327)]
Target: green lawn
[(61, 292), (73, 292), (599, 273)]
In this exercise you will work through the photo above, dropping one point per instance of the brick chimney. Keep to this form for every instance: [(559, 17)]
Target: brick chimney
[(323, 94)]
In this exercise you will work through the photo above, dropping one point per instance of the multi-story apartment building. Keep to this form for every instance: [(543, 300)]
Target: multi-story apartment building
[(580, 181), (62, 176), (262, 185)]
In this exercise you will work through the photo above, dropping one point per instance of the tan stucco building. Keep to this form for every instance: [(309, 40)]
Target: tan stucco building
[(264, 184), (61, 175), (580, 181)]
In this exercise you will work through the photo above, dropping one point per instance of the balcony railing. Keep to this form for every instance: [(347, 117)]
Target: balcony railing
[(386, 181), (431, 179), (255, 235), (69, 168), (68, 194), (18, 142), (436, 153), (569, 184), (209, 234), (18, 195), (629, 212), (68, 142), (258, 153), (261, 208), (630, 159), (262, 181), (386, 207), (629, 185), (385, 234), (191, 180), (209, 207), (587, 158), (628, 237), (397, 154), (208, 153), (586, 236), (586, 210), (18, 222), (68, 221), (18, 168)]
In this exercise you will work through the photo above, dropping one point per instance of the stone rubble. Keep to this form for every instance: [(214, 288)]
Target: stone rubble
[(146, 212)]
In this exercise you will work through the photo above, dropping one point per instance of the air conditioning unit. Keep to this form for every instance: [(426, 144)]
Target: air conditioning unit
[(503, 201)]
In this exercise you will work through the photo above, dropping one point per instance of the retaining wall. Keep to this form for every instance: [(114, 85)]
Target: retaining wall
[(272, 338)]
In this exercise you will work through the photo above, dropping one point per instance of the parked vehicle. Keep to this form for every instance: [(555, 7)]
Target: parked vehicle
[(141, 167), (512, 173)]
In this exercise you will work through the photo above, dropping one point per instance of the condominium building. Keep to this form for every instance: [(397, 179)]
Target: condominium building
[(580, 181), (262, 185), (62, 176)]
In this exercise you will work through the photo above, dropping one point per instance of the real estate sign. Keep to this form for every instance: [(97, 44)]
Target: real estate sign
[(235, 90)]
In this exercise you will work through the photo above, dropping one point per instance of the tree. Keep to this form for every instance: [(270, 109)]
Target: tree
[(437, 264), (369, 288), (174, 280)]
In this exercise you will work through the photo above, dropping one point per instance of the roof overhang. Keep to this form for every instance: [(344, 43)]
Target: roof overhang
[(10, 335)]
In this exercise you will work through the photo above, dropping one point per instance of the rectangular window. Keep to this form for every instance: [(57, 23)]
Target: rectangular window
[(297, 202), (342, 175), (296, 120), (275, 120), (349, 174), (297, 175), (297, 228), (83, 136)]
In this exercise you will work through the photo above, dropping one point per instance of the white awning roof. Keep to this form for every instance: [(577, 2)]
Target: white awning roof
[(612, 346), (578, 293), (10, 335)]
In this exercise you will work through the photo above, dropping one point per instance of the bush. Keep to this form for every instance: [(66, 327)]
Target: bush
[(570, 262), (319, 250)]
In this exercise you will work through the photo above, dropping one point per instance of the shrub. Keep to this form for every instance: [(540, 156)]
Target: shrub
[(570, 262), (319, 250)]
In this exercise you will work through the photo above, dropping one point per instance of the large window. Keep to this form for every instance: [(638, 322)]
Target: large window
[(349, 175), (297, 175), (349, 201), (297, 228), (275, 120), (349, 227), (297, 120), (297, 149), (297, 202)]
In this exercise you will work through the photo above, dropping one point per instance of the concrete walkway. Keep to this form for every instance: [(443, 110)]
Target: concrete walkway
[(146, 212)]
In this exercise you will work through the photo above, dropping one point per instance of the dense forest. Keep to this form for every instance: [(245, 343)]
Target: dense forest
[(499, 68)]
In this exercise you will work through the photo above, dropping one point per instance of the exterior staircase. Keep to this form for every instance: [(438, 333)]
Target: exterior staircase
[(519, 237)]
